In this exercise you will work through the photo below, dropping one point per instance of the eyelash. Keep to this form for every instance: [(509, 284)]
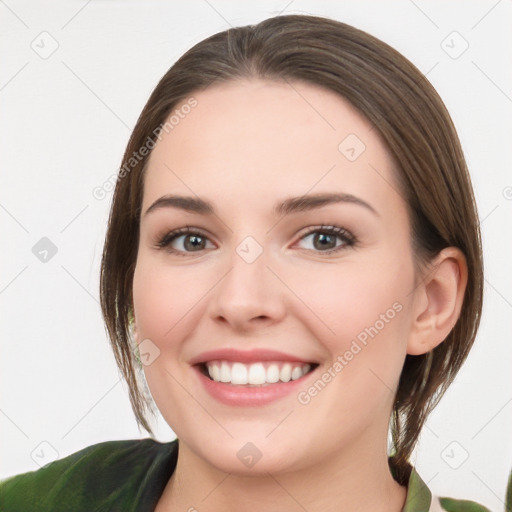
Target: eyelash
[(348, 238)]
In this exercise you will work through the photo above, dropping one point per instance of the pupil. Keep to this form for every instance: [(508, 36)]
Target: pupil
[(195, 239), (322, 236)]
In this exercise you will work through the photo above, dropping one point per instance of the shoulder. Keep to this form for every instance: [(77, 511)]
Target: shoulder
[(100, 473)]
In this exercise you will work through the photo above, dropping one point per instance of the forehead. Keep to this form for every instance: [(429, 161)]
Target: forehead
[(252, 139)]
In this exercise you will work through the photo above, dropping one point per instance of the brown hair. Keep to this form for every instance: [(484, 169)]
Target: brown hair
[(415, 126)]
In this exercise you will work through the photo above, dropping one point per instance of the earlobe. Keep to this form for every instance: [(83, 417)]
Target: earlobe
[(438, 301)]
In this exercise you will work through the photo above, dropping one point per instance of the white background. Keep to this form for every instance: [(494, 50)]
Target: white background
[(65, 121)]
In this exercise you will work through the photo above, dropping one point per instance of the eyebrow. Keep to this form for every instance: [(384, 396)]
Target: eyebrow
[(286, 207)]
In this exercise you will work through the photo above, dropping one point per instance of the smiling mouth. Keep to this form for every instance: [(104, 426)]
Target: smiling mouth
[(262, 373)]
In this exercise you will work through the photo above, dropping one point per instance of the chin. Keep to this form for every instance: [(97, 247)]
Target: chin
[(243, 457)]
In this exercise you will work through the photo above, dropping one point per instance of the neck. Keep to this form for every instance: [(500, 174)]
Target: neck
[(354, 480)]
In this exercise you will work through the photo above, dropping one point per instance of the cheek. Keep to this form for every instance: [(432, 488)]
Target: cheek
[(347, 300), (163, 299), (165, 302), (365, 317), (365, 312)]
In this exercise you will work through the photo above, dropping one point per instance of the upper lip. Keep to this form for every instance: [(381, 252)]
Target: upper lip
[(245, 356)]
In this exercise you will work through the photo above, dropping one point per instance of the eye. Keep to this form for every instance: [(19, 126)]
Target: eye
[(191, 241), (324, 238)]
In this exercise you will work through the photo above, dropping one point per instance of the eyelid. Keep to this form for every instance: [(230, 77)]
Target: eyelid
[(169, 236), (339, 230), (333, 230)]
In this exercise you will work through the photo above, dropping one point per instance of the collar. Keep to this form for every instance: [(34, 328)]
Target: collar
[(419, 498)]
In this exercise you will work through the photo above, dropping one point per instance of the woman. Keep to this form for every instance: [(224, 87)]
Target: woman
[(293, 259)]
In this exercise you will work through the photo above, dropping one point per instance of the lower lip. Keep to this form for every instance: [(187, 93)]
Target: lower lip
[(240, 395)]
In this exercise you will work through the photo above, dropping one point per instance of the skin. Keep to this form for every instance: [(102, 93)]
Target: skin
[(245, 146)]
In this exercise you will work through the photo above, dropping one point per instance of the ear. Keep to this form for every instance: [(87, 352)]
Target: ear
[(438, 301)]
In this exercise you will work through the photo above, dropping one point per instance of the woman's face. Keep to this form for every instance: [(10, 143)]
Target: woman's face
[(258, 273)]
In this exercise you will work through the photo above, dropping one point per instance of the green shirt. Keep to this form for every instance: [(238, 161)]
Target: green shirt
[(130, 476)]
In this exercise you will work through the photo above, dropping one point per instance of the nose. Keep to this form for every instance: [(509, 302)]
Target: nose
[(249, 296)]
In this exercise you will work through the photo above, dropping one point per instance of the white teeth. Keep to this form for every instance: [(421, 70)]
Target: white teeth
[(296, 373), (272, 374), (255, 374), (216, 372), (286, 372), (238, 374), (225, 372)]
